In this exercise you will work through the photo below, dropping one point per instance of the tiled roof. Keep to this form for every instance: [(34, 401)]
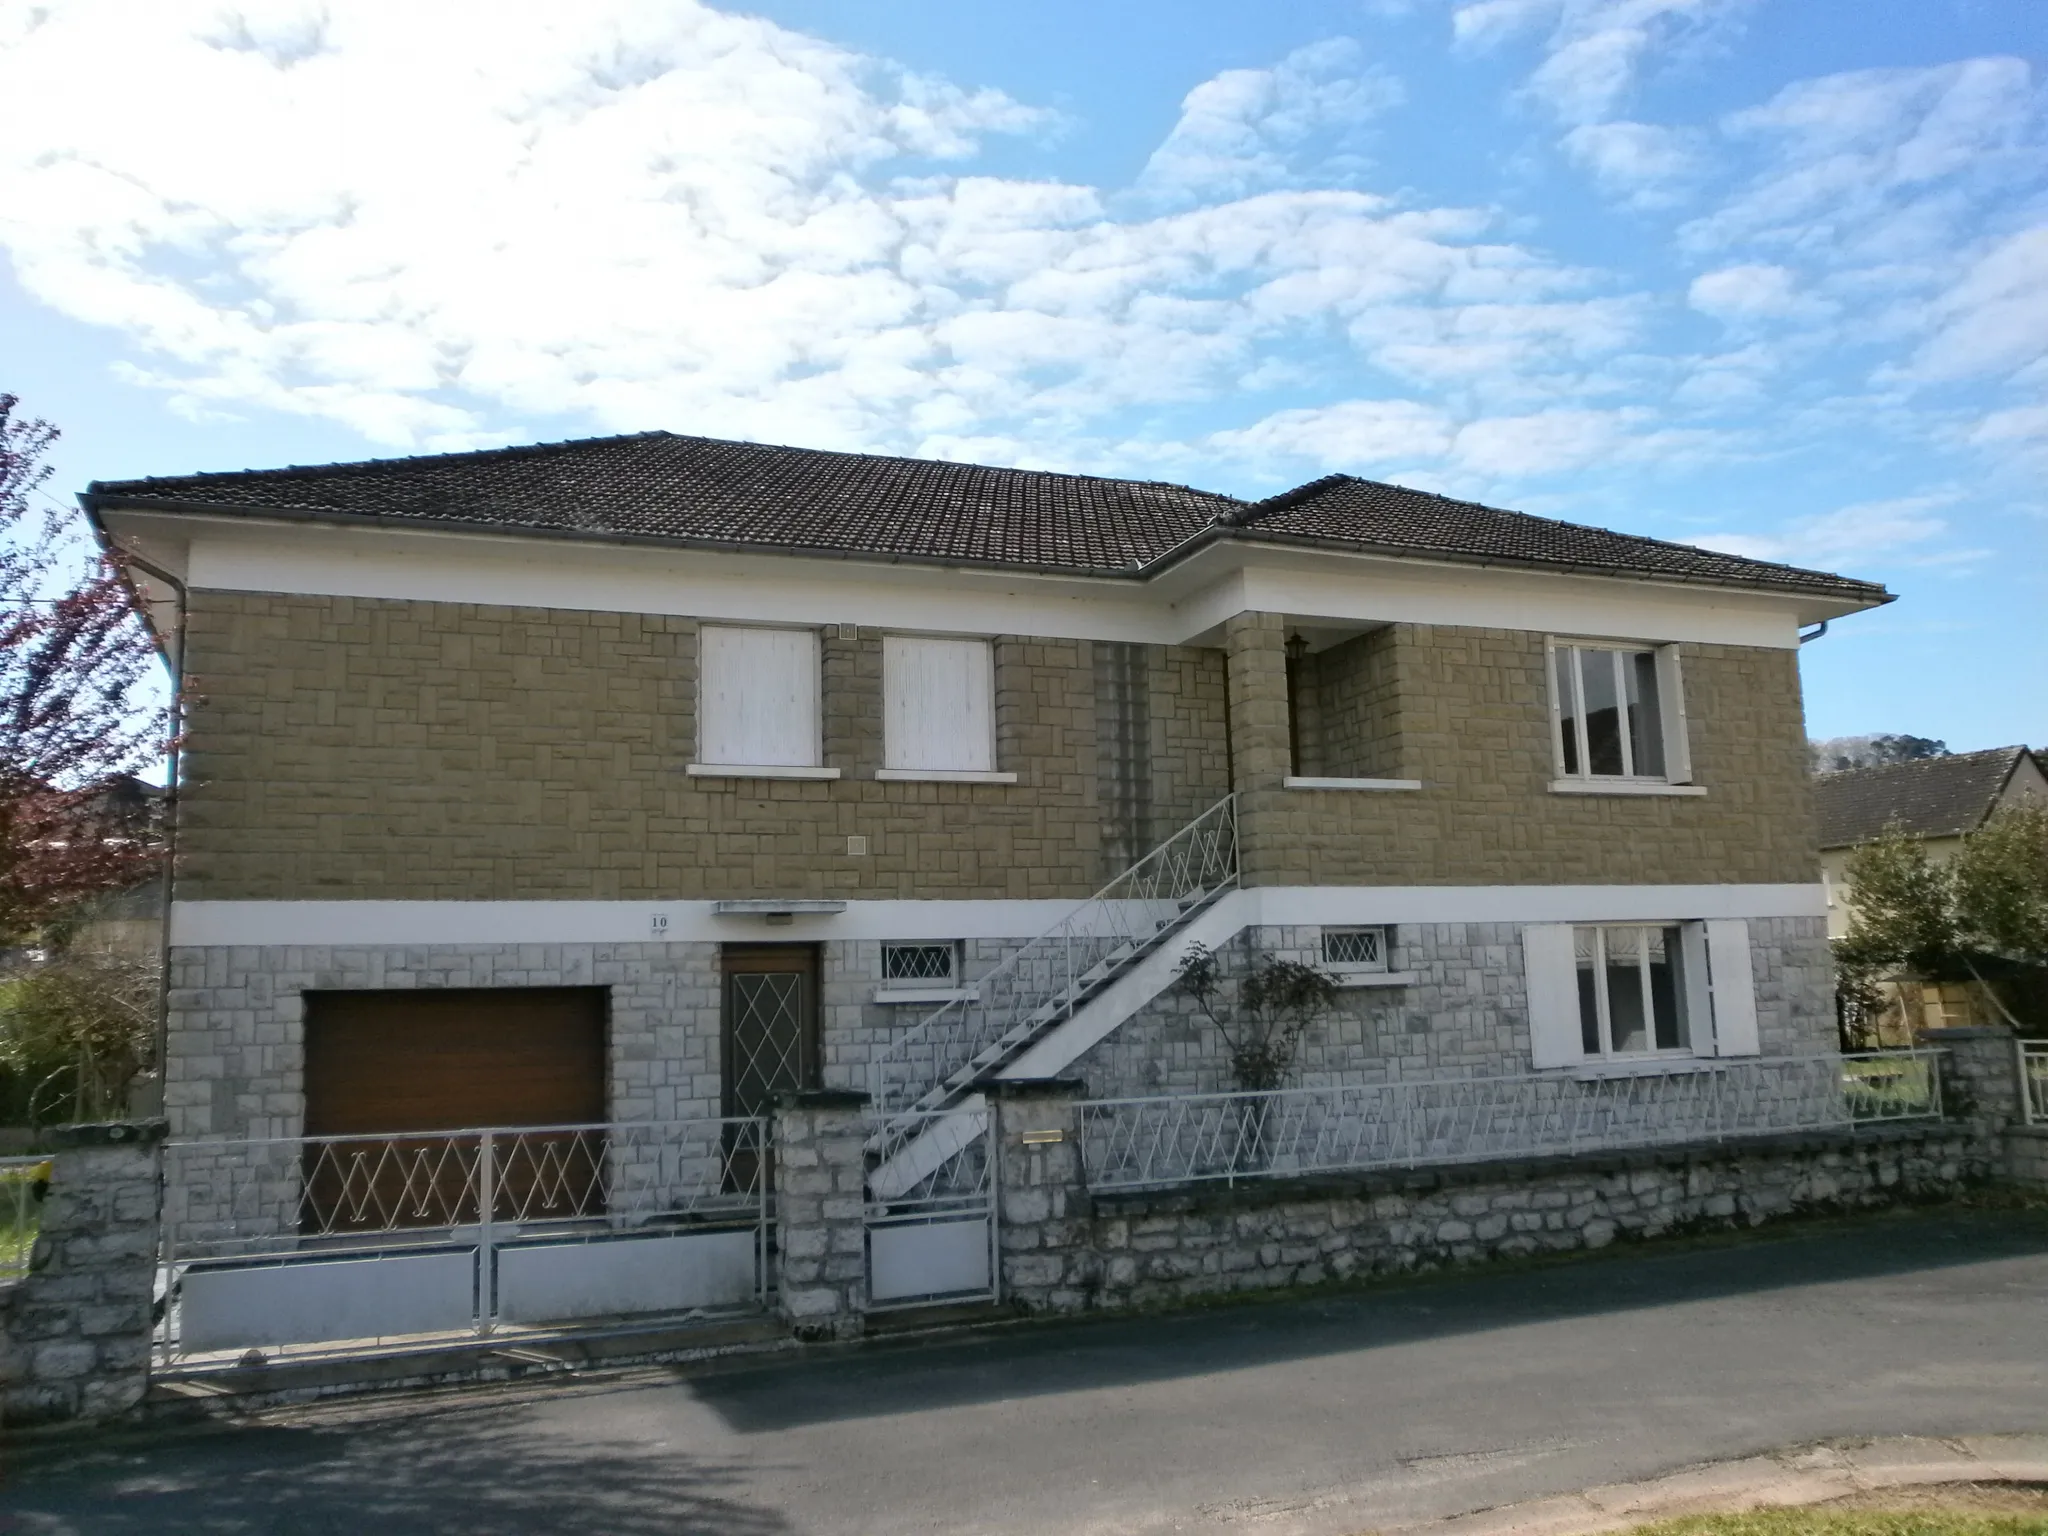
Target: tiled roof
[(1929, 797), (664, 488), (1369, 514)]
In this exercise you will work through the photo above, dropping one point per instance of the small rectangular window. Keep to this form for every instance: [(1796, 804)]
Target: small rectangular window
[(757, 697), (1614, 719), (930, 963), (1632, 990), (938, 705), (1354, 950)]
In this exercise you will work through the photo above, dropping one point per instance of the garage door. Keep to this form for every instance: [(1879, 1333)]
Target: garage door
[(381, 1062)]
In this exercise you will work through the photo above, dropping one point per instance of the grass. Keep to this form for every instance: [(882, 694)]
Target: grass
[(20, 1215), (1960, 1510)]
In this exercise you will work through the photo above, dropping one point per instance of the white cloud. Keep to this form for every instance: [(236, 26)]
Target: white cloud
[(1554, 441), (1596, 49), (1352, 434), (1994, 319), (670, 216), (1241, 130), (1756, 291), (1639, 162), (1848, 536)]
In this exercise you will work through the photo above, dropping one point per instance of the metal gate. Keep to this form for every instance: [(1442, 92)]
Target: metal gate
[(931, 1228), (384, 1241)]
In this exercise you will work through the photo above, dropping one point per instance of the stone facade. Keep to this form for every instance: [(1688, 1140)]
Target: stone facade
[(237, 1029), (1469, 710), (75, 1333), (1464, 1015), (377, 749), (358, 748)]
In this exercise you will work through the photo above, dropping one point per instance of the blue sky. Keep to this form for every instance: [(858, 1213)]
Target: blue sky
[(1766, 274)]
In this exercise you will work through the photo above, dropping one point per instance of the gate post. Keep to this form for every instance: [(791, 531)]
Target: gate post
[(75, 1331), (821, 1262), (1044, 1222)]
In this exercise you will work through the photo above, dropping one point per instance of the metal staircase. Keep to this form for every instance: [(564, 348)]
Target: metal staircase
[(1045, 987)]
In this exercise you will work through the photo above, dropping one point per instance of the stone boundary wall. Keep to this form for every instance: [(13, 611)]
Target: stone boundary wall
[(1065, 1250), (821, 1264), (2026, 1156), (75, 1333)]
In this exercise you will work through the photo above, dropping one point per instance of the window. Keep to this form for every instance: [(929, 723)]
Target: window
[(1619, 713), (1349, 951), (1632, 993), (920, 962), (938, 711), (757, 697)]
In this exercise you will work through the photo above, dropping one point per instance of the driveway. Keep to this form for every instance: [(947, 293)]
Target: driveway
[(1328, 1415)]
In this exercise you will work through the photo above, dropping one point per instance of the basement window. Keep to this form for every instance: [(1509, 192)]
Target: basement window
[(921, 964), (1355, 951)]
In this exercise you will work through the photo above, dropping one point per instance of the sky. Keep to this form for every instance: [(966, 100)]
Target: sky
[(1766, 275)]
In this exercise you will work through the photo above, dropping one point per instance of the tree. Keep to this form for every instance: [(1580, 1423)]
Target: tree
[(1987, 906), (1840, 752), (76, 672), (75, 1033), (1263, 1016)]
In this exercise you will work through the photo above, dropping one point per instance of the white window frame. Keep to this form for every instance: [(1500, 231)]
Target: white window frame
[(976, 762), (949, 988), (712, 761), (1383, 934), (1719, 998), (1682, 994), (1674, 734)]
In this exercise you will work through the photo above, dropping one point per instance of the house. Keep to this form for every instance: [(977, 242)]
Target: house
[(639, 778), (1940, 801)]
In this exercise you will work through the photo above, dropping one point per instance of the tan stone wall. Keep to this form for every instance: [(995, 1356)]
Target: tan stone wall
[(354, 748), (1472, 712)]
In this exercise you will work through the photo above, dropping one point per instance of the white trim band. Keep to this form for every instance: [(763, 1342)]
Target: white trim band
[(1621, 787), (413, 923), (765, 771), (942, 776)]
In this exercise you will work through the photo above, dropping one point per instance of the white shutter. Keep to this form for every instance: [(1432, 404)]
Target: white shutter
[(1552, 973), (1734, 988), (757, 697), (1699, 992), (938, 710), (1671, 710)]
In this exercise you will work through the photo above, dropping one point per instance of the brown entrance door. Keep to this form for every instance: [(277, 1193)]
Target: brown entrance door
[(770, 1040), (389, 1063)]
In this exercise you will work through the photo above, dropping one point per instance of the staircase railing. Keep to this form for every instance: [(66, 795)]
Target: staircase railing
[(1048, 978)]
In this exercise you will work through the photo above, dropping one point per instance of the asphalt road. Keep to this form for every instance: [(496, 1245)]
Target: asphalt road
[(1328, 1415)]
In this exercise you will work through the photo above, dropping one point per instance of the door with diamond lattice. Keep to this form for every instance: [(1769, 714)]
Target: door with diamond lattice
[(771, 1024)]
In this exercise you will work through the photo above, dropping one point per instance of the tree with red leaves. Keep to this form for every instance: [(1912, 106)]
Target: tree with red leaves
[(78, 711)]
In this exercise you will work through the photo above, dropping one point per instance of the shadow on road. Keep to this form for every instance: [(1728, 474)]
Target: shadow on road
[(1131, 1351), (479, 1472)]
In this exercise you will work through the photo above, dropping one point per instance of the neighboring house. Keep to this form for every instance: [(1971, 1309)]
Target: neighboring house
[(1939, 800), (638, 778)]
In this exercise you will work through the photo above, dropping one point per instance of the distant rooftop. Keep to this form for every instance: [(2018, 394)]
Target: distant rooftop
[(662, 488), (1929, 797)]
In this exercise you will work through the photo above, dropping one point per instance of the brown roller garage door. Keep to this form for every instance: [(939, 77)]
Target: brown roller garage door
[(444, 1061), (399, 1062)]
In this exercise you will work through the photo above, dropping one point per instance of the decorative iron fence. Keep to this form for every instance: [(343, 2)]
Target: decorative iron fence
[(371, 1237), (1136, 1143), (1045, 980), (2034, 1081), (23, 1181)]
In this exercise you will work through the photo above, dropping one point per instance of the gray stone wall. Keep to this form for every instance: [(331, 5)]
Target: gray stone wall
[(1465, 1015), (1064, 1252), (820, 1205), (237, 1027), (75, 1333)]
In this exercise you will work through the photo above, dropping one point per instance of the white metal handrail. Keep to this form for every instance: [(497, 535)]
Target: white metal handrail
[(1045, 980), (22, 1180), (2034, 1081), (1146, 1142), (279, 1195)]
